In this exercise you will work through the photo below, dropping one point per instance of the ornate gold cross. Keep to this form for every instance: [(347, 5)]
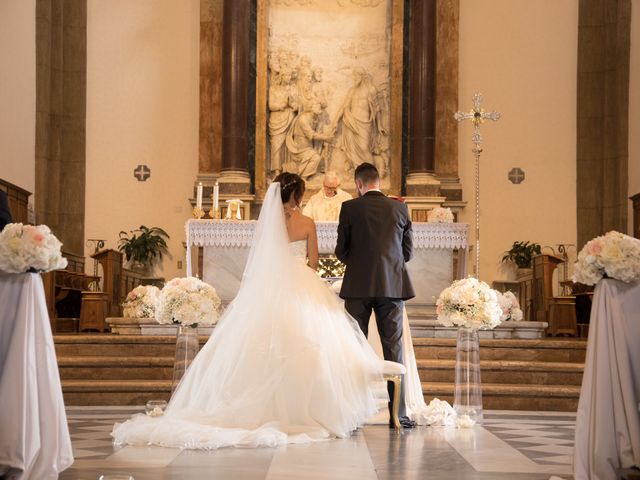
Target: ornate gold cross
[(477, 115)]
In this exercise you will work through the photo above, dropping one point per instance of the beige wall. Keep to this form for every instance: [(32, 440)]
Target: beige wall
[(142, 108), (18, 92), (522, 55), (634, 108)]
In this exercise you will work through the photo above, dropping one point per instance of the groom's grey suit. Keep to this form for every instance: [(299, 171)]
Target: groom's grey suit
[(375, 241)]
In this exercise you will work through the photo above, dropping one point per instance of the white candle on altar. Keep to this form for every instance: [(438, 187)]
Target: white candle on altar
[(216, 196), (199, 196)]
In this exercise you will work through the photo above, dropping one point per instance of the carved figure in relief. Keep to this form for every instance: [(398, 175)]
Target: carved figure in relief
[(303, 158), (319, 94), (359, 120), (283, 106)]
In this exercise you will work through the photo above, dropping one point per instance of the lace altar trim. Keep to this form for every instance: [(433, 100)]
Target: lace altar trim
[(234, 233)]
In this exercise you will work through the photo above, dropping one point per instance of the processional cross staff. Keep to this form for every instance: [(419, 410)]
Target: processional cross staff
[(477, 115)]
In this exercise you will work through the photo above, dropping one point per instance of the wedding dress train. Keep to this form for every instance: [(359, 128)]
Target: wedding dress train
[(285, 364)]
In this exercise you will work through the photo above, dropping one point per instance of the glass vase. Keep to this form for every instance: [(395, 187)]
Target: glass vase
[(468, 387), (187, 346)]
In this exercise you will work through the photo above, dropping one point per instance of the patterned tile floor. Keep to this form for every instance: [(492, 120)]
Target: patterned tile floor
[(509, 445)]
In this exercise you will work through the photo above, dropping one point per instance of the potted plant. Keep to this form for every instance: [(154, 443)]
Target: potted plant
[(521, 254), (142, 246)]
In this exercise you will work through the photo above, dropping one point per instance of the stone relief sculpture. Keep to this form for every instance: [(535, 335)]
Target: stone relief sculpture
[(303, 137), (360, 122), (283, 106), (327, 86), (303, 158)]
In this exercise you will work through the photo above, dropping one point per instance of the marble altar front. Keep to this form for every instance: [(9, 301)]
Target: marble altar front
[(440, 255)]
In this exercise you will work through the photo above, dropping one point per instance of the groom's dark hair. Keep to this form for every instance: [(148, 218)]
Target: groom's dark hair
[(367, 173)]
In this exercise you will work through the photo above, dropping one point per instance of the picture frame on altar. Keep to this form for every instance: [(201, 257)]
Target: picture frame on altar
[(319, 66)]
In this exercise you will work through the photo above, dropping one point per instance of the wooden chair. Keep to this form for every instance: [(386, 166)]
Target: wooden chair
[(393, 372)]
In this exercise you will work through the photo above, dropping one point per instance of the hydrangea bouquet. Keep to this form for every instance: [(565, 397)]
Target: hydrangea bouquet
[(614, 255), (440, 215), (28, 248), (510, 307), (141, 302), (188, 301), (469, 303)]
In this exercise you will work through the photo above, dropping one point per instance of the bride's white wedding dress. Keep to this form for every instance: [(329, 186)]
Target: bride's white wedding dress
[(285, 364)]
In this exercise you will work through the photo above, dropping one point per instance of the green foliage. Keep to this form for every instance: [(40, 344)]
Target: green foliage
[(521, 254), (144, 244)]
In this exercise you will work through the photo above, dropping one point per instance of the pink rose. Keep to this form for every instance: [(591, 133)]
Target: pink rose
[(595, 247)]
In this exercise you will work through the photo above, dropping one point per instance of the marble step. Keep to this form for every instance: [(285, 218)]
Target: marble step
[(115, 367), (506, 372), (114, 392), (514, 397), (544, 350), (116, 345), (430, 370), (495, 397)]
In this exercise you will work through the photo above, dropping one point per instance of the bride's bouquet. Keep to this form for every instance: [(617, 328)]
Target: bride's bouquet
[(440, 215), (141, 302), (28, 248), (510, 307), (614, 255), (188, 301), (469, 303)]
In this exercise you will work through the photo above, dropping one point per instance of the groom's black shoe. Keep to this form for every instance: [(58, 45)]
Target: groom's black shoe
[(405, 422)]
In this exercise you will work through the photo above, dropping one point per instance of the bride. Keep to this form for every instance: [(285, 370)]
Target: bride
[(285, 364)]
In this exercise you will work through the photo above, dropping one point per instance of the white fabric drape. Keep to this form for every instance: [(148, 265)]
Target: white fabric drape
[(608, 421), (34, 436)]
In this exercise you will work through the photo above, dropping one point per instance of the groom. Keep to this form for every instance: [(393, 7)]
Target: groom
[(374, 242)]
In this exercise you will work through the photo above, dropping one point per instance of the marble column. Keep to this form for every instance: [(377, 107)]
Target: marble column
[(61, 82), (209, 159), (421, 180), (604, 28), (234, 176), (446, 156)]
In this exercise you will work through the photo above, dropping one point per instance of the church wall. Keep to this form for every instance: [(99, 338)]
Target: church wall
[(18, 92), (634, 109), (142, 109), (522, 56)]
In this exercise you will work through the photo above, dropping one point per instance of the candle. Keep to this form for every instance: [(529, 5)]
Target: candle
[(199, 196), (216, 195)]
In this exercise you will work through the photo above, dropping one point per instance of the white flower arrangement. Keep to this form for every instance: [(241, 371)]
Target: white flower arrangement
[(615, 255), (440, 215), (510, 307), (188, 301), (25, 248), (469, 303), (141, 302)]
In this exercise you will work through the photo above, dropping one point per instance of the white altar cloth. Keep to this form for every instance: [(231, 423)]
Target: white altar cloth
[(608, 421), (34, 437), (234, 233)]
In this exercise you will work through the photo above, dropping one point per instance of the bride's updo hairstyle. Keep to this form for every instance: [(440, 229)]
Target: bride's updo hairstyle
[(290, 184)]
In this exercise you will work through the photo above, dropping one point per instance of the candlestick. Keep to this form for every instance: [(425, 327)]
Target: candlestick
[(199, 196)]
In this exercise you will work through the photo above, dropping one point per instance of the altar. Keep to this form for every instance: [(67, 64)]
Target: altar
[(440, 255)]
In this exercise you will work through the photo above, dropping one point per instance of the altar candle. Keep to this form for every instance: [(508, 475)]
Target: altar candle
[(199, 196), (216, 195)]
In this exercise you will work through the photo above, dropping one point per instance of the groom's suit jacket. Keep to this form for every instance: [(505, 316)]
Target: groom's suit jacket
[(375, 240)]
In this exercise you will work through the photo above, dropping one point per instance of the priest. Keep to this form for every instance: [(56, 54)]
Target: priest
[(325, 205)]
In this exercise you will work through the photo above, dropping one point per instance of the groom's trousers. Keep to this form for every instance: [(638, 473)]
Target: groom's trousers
[(388, 313)]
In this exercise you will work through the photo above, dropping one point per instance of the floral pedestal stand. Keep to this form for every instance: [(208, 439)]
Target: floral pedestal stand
[(468, 386), (187, 347)]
